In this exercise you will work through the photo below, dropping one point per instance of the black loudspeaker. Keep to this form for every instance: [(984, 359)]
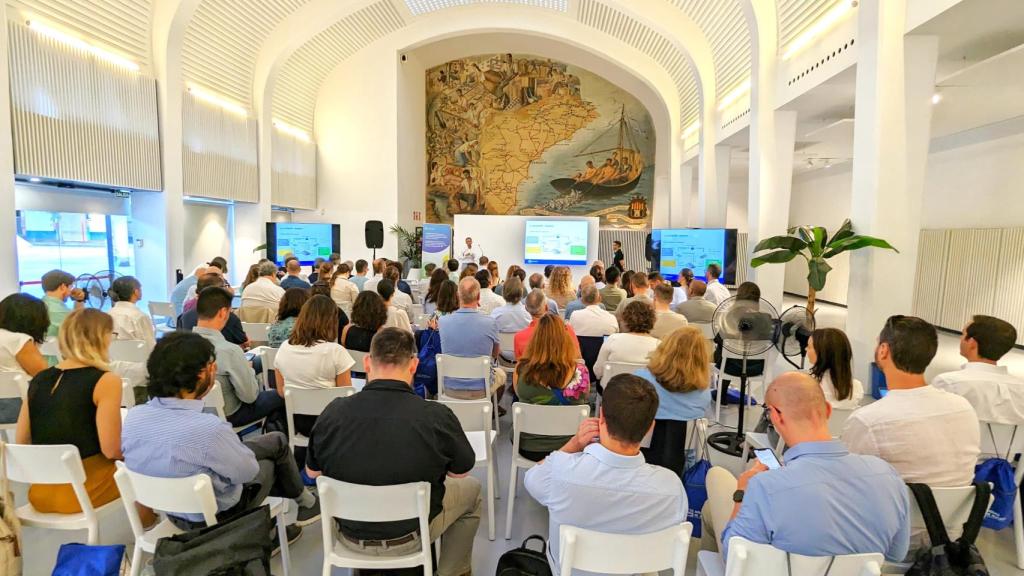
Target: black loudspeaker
[(374, 234), (648, 249)]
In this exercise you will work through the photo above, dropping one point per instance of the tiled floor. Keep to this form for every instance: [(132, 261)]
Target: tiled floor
[(530, 517)]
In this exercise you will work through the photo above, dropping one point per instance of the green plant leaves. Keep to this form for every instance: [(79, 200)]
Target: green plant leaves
[(258, 248), (817, 270), (845, 231), (791, 243), (777, 257), (856, 242)]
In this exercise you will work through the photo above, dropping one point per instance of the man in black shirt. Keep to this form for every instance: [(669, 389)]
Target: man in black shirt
[(618, 258), (388, 435)]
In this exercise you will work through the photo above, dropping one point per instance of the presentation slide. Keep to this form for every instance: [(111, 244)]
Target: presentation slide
[(558, 242), (307, 242), (692, 248)]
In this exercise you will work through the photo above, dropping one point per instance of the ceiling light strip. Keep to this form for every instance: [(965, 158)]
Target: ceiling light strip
[(286, 128), (80, 44), (818, 28), (216, 100)]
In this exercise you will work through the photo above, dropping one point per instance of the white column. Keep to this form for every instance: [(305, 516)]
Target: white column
[(718, 204), (681, 216), (895, 81), (707, 189), (8, 224)]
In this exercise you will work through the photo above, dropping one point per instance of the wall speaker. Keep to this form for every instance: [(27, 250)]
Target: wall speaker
[(374, 234)]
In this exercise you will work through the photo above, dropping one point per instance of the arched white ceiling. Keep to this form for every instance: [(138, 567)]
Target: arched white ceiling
[(795, 16), (723, 23), (419, 7)]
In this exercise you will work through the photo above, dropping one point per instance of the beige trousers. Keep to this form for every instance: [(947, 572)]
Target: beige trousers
[(717, 510), (457, 523)]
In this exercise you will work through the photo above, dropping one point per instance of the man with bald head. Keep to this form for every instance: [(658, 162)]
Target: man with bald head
[(696, 308), (578, 304), (824, 501), (537, 283), (536, 305), (469, 332)]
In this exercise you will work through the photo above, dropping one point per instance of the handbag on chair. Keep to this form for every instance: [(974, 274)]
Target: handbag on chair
[(240, 546), (10, 525)]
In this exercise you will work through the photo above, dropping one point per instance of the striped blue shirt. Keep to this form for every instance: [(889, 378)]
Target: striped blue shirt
[(174, 438)]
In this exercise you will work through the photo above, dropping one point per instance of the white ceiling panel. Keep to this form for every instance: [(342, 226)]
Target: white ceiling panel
[(418, 7), (726, 30)]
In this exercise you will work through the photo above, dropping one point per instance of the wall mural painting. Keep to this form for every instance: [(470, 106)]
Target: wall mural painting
[(518, 134)]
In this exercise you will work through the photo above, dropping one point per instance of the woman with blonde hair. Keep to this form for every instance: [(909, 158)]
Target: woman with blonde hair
[(548, 373), (77, 402), (560, 287), (680, 370)]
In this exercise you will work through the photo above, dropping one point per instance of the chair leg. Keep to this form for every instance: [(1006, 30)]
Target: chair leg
[(94, 533), (282, 537), (136, 568), (490, 499), (511, 498)]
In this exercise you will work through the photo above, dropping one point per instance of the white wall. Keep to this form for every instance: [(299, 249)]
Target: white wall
[(208, 235), (501, 239), (736, 206)]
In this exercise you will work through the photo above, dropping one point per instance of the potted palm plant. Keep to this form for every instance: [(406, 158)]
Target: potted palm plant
[(815, 245), (408, 245)]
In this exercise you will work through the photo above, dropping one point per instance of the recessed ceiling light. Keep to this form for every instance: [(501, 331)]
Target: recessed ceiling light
[(936, 98)]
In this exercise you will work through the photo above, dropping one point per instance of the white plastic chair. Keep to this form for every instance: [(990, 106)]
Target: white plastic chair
[(507, 341), (215, 399), (54, 464), (373, 504), (612, 369), (1013, 434), (358, 357), (190, 495), (537, 419), (256, 331), (767, 357), (838, 420), (415, 310), (129, 351), (50, 347), (705, 329), (604, 553), (267, 357), (308, 402), (160, 313), (420, 320), (13, 386), (127, 394), (475, 367), (475, 417), (749, 559)]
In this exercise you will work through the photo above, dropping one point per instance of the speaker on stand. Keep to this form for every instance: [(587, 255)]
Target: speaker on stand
[(374, 232)]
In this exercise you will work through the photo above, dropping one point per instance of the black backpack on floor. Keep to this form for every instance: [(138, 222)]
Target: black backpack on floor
[(523, 561), (945, 558)]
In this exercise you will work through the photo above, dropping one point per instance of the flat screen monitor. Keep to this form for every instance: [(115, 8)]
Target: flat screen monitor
[(558, 242), (306, 241), (694, 248)]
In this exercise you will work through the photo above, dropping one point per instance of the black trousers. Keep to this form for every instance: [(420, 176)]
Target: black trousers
[(668, 446)]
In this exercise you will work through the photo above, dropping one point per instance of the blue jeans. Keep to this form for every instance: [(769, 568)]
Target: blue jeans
[(267, 405)]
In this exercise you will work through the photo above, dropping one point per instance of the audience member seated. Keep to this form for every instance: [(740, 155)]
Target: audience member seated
[(324, 289), (343, 291), (666, 321), (537, 283), (696, 308), (995, 394), (437, 277), (232, 331), (130, 323), (489, 301), (172, 437), (369, 314), (549, 374), (716, 292), (287, 311), (23, 324), (578, 304), (627, 284), (612, 295), (635, 344), (181, 290), (58, 286), (190, 302), (599, 480), (536, 306), (356, 440), (559, 287), (512, 316), (469, 271), (251, 276), (264, 293), (597, 273), (641, 293), (593, 320), (312, 358), (324, 273), (492, 268), (244, 403), (447, 302), (453, 270), (468, 332), (401, 300), (359, 279), (315, 274), (824, 501), (929, 435), (293, 276), (378, 275), (680, 371), (77, 402), (831, 358), (513, 271), (396, 317)]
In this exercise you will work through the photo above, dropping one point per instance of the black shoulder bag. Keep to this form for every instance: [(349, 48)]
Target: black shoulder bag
[(523, 561), (946, 558)]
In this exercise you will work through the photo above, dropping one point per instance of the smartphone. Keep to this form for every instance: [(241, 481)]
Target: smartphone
[(767, 457)]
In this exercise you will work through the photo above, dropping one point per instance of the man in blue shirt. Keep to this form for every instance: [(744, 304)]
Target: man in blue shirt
[(172, 437), (823, 502), (607, 485), (180, 292), (468, 332), (294, 277)]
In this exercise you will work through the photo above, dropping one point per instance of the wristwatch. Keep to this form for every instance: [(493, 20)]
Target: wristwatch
[(737, 496)]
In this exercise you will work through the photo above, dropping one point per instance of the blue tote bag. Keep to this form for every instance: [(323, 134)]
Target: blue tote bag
[(999, 473), (694, 479), (83, 560)]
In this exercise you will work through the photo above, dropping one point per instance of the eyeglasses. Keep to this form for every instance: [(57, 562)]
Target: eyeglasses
[(773, 407)]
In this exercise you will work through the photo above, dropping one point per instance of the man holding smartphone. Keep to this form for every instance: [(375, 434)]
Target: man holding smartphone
[(823, 502)]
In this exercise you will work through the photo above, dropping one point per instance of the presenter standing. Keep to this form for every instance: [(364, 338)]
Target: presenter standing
[(618, 258), (471, 253)]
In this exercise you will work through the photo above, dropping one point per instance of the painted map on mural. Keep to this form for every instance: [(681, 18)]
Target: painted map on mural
[(517, 134)]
